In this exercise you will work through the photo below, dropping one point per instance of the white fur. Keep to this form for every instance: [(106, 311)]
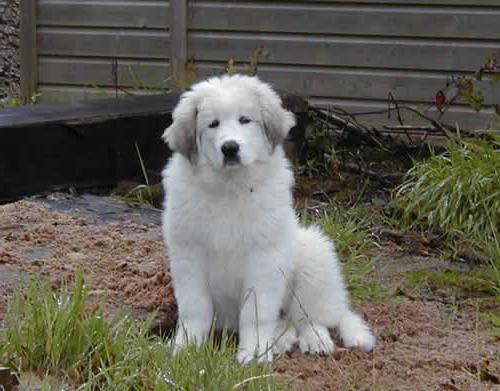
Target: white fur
[(238, 256)]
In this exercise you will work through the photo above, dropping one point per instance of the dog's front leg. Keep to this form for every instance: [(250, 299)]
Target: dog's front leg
[(259, 315), (194, 301)]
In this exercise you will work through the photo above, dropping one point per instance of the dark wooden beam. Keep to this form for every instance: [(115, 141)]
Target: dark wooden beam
[(86, 144)]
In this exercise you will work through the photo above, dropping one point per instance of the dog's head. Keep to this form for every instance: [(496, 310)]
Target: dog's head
[(228, 122)]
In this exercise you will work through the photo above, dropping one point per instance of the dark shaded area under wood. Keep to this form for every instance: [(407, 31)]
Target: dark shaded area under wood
[(85, 144)]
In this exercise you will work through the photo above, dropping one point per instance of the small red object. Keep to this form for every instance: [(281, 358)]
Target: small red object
[(440, 99)]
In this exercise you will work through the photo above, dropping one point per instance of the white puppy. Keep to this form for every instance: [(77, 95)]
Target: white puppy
[(239, 258)]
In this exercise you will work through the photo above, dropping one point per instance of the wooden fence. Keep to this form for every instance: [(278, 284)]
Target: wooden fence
[(351, 53)]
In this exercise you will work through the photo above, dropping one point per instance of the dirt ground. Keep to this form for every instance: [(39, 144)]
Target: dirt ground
[(423, 343)]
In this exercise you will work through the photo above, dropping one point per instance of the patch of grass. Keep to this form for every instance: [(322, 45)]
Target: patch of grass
[(493, 321), (146, 193), (458, 192), (360, 287), (16, 100), (151, 195), (10, 102), (476, 281), (55, 334)]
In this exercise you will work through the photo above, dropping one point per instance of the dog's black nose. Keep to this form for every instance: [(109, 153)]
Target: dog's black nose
[(230, 149)]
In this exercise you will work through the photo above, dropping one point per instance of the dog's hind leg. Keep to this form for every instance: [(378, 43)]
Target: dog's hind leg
[(319, 299)]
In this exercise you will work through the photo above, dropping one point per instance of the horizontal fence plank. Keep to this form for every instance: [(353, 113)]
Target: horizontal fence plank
[(311, 81), (422, 54), (139, 14), (464, 116), (419, 2), (357, 84), (103, 43), (138, 74), (384, 20), (479, 3), (69, 93)]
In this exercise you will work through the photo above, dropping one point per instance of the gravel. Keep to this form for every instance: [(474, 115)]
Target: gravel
[(9, 49)]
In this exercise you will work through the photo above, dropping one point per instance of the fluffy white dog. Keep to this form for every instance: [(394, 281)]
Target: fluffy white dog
[(239, 258)]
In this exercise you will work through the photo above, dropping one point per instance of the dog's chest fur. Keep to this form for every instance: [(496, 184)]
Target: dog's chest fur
[(229, 216), (229, 221)]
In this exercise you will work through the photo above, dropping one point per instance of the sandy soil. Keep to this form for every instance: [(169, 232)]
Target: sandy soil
[(422, 344)]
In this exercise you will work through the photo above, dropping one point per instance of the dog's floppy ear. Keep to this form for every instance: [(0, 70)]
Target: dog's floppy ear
[(277, 120), (181, 134)]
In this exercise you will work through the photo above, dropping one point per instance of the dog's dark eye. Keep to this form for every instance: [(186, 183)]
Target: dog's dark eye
[(244, 120), (214, 123)]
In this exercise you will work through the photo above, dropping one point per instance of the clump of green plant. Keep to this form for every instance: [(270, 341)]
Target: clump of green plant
[(145, 193), (16, 101), (492, 318), (458, 193), (320, 155), (56, 334), (458, 190), (477, 281)]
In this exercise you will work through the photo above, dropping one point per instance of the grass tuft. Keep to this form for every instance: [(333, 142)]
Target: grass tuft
[(56, 335), (458, 190), (458, 193), (477, 281)]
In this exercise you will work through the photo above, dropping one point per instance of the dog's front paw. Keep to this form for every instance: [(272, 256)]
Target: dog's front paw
[(363, 340), (245, 356), (316, 339), (285, 341), (180, 343)]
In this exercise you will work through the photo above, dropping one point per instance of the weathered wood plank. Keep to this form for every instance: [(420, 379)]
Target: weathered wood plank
[(350, 19), (479, 3), (139, 74), (86, 112), (312, 81), (463, 115), (73, 94), (28, 50), (423, 54), (104, 43), (84, 13), (351, 83)]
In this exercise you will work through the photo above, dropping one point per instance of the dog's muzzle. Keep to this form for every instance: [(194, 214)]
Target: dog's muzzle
[(230, 150)]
